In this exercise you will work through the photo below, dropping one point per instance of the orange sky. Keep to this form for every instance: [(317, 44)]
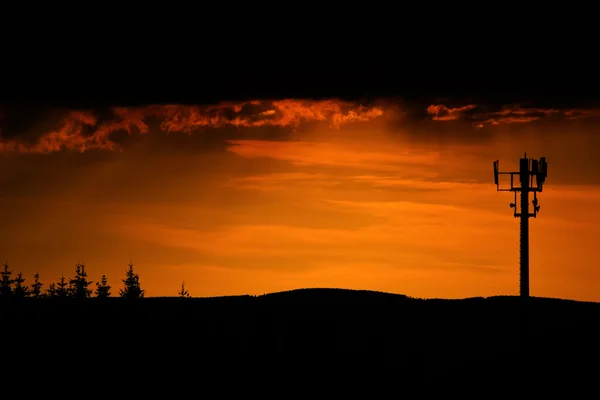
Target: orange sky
[(276, 195)]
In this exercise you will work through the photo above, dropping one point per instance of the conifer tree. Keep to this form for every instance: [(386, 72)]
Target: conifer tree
[(183, 293), (79, 284), (52, 291), (21, 290), (36, 286), (6, 283), (132, 289), (103, 288), (62, 288)]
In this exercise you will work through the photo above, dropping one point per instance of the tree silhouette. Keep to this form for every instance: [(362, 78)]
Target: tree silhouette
[(102, 288), (132, 288), (79, 284), (21, 290), (6, 289), (52, 291), (62, 288), (36, 286), (183, 292)]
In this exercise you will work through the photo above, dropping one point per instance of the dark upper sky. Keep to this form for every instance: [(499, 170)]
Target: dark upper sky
[(343, 81), (179, 56), (425, 72)]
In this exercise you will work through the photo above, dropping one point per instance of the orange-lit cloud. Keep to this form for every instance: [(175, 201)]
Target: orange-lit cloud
[(508, 114), (82, 131), (440, 112), (304, 153)]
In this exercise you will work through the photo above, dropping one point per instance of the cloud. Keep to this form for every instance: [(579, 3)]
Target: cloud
[(338, 154), (407, 228), (107, 130), (508, 114), (440, 112), (416, 184), (318, 182), (276, 182), (84, 131), (410, 214)]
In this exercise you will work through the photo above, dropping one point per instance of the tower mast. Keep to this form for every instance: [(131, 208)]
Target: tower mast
[(532, 175)]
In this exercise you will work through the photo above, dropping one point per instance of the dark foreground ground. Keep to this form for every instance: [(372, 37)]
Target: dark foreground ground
[(306, 335)]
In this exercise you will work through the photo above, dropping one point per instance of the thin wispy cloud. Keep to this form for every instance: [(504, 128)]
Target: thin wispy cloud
[(508, 114)]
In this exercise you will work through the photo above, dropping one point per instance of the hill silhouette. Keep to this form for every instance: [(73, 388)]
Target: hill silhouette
[(425, 340)]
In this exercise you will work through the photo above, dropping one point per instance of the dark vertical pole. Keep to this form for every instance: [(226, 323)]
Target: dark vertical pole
[(524, 264), (524, 231), (525, 178)]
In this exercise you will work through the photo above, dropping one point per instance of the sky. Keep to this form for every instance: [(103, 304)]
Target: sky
[(272, 195)]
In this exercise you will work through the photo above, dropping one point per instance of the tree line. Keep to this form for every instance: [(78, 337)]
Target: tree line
[(79, 287)]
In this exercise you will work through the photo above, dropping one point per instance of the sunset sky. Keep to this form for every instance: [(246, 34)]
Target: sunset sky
[(266, 196)]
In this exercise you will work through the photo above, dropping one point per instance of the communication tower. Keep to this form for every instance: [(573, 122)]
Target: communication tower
[(532, 175)]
